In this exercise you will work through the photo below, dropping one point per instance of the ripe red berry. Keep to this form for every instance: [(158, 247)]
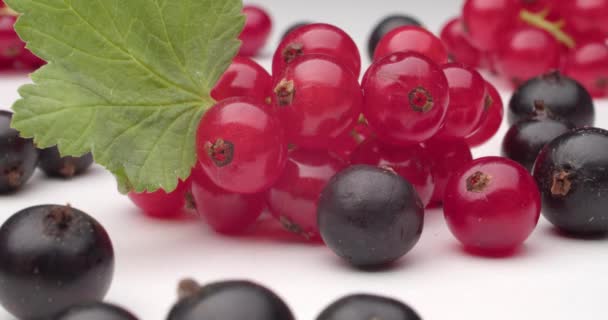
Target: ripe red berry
[(446, 156), (527, 52), (467, 100), (317, 38), (244, 78), (406, 98), (346, 144), (226, 212), (458, 46), (241, 146), (11, 45), (256, 31), (293, 198), (412, 38), (160, 204), (588, 63), (29, 61), (318, 99), (492, 205), (412, 163), (586, 15), (491, 119), (485, 20)]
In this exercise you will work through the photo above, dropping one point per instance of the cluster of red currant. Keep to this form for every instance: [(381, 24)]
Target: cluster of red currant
[(13, 54), (522, 39)]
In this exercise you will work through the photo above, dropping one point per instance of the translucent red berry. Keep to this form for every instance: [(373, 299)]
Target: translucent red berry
[(458, 46), (346, 144), (406, 98), (412, 163), (256, 31), (412, 38), (588, 63), (293, 198), (11, 45), (226, 212), (492, 205), (318, 100), (491, 118), (29, 61), (317, 38), (241, 146), (446, 156), (244, 78), (485, 20), (586, 15), (160, 204)]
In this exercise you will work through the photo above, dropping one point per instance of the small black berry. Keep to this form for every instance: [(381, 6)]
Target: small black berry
[(366, 307), (52, 257), (54, 165), (387, 25), (95, 311), (18, 156), (370, 216)]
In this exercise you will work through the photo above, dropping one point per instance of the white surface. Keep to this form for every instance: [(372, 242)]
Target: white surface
[(552, 277)]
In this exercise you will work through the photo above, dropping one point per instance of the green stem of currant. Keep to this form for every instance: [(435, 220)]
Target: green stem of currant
[(539, 20)]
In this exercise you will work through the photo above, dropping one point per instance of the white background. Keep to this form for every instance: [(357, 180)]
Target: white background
[(551, 278)]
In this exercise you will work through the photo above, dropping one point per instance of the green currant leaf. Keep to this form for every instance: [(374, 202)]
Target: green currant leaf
[(125, 79)]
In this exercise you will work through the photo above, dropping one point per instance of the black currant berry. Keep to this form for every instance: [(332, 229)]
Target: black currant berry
[(294, 27), (366, 307), (387, 25), (228, 300), (572, 175), (95, 311), (553, 95), (18, 156), (526, 139), (52, 257), (54, 165), (370, 216)]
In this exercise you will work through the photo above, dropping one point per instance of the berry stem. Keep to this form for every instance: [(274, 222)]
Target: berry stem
[(478, 181), (539, 20), (58, 220), (285, 92), (292, 51), (561, 183)]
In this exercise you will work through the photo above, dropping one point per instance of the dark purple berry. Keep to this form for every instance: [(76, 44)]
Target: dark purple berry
[(525, 139), (18, 156), (387, 25), (52, 257), (370, 216), (54, 165), (366, 307), (572, 176), (95, 311)]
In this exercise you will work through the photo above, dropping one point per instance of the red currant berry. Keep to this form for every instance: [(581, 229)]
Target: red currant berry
[(317, 38), (484, 20), (446, 156), (467, 100), (412, 38), (586, 15), (491, 119), (160, 204), (318, 99), (346, 144), (588, 64), (29, 60), (244, 78), (457, 44), (538, 5), (411, 162), (11, 45), (226, 212), (492, 205), (256, 31), (241, 146), (293, 198), (406, 98)]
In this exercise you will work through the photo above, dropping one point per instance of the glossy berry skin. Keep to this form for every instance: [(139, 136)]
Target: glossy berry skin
[(484, 21), (572, 178), (254, 36), (228, 300), (160, 204), (555, 95), (52, 257), (411, 162), (457, 44), (317, 38), (346, 144), (95, 311), (586, 15), (370, 216), (412, 38), (318, 99), (387, 25), (467, 101), (11, 46), (588, 63), (18, 156), (492, 205), (294, 27), (526, 139), (293, 198), (241, 146), (226, 212), (490, 120), (527, 52), (29, 61), (447, 156), (244, 78), (406, 98), (54, 165), (366, 306)]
